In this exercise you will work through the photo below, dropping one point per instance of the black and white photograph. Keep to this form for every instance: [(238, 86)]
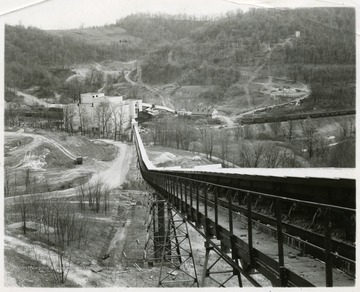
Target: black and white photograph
[(178, 143)]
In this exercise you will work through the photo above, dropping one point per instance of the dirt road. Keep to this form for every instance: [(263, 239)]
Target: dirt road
[(112, 173), (37, 141), (127, 77), (115, 174), (227, 120), (164, 99)]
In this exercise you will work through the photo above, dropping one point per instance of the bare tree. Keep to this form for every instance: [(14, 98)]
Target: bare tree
[(28, 177), (288, 159), (103, 115), (181, 132), (247, 132), (106, 192), (250, 156), (82, 197), (321, 152), (69, 115), (188, 134), (84, 119), (60, 266), (238, 131), (343, 154), (118, 118), (258, 152), (309, 132), (288, 130), (11, 113), (23, 207), (271, 156), (275, 128), (224, 140), (208, 140)]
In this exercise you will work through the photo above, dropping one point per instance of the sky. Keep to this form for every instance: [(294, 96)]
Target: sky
[(67, 14)]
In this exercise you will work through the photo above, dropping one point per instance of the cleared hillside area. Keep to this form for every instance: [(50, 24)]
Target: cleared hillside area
[(99, 35)]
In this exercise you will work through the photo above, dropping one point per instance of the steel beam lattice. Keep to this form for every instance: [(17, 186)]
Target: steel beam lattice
[(205, 205)]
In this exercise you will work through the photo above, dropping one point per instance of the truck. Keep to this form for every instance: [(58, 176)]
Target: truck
[(79, 160)]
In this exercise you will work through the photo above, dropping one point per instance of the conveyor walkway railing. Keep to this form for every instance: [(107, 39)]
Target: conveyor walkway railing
[(217, 211)]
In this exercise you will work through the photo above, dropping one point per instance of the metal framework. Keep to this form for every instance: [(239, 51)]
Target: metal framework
[(188, 195), (155, 228), (169, 245), (210, 270), (204, 204)]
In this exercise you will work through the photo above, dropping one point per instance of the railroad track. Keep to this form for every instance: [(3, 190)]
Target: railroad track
[(292, 117)]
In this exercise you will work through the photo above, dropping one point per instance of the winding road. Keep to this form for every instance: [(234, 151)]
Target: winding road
[(113, 176)]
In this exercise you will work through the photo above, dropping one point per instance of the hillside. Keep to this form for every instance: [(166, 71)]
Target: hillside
[(237, 63), (232, 51), (46, 67)]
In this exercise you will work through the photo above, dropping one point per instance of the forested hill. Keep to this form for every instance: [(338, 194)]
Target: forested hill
[(34, 57), (154, 29), (219, 53), (264, 41)]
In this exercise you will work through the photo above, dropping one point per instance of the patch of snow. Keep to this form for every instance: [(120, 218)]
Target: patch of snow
[(35, 162), (30, 224), (164, 157)]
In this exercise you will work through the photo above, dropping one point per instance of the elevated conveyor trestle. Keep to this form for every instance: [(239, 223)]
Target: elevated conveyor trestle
[(229, 220)]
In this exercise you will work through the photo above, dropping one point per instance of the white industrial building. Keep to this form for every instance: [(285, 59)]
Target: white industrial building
[(128, 109)]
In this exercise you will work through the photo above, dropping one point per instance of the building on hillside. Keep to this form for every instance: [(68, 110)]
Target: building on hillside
[(92, 99), (116, 109), (183, 112), (206, 112), (131, 106), (297, 34)]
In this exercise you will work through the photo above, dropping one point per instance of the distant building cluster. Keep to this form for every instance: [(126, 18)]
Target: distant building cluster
[(206, 112)]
